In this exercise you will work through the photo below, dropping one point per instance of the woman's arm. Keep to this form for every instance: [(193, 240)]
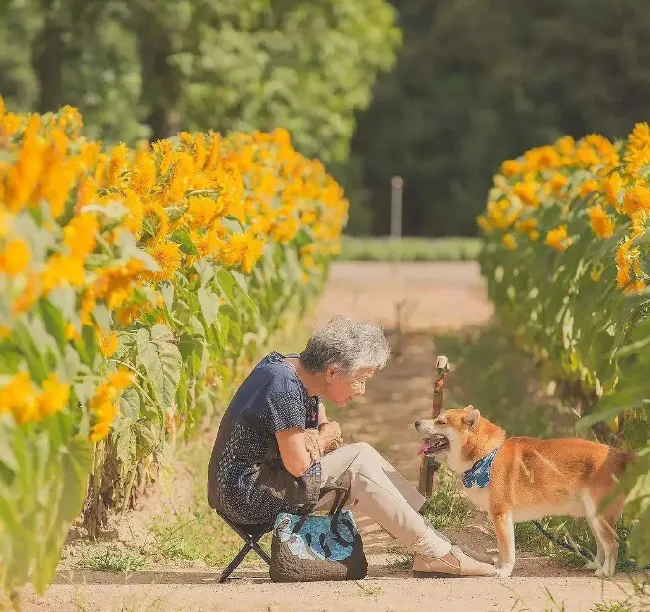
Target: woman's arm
[(299, 454), (293, 450)]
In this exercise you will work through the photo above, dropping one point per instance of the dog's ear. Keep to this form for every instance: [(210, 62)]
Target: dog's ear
[(472, 417)]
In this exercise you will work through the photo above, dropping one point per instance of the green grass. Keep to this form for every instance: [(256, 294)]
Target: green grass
[(555, 605), (194, 535), (613, 606), (528, 537), (447, 507), (369, 590), (193, 532), (404, 563), (112, 560), (490, 372), (409, 249)]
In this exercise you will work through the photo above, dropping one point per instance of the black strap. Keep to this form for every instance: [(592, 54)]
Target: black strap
[(342, 497)]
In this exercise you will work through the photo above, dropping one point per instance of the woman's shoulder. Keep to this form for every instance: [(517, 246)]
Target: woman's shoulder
[(278, 357), (278, 374)]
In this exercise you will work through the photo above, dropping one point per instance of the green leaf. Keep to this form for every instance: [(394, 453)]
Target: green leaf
[(112, 210), (304, 236), (123, 428), (182, 237), (130, 405), (189, 345), (7, 456), (636, 432), (241, 280), (223, 329), (231, 287), (74, 467), (232, 225), (162, 333), (147, 439), (102, 317), (602, 415), (206, 271), (64, 299), (210, 303), (90, 344), (32, 352), (53, 321), (84, 390), (129, 248), (168, 295), (71, 366), (162, 361)]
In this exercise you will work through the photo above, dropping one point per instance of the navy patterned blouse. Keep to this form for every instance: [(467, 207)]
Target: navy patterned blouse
[(247, 481)]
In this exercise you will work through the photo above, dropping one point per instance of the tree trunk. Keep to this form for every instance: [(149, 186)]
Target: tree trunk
[(161, 84), (164, 120), (48, 61)]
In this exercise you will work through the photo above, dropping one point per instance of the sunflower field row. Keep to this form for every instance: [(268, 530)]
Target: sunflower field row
[(133, 283), (567, 260)]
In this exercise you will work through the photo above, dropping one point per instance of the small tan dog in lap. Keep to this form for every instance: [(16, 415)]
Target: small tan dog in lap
[(523, 479)]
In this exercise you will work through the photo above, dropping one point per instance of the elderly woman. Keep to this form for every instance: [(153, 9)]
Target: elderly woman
[(263, 461)]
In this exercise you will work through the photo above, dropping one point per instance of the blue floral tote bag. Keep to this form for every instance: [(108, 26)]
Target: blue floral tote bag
[(314, 547)]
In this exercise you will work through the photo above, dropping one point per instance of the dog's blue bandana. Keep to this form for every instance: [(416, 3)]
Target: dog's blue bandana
[(478, 476)]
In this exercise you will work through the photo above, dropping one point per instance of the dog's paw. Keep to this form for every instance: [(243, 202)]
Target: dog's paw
[(504, 571), (601, 572), (593, 565)]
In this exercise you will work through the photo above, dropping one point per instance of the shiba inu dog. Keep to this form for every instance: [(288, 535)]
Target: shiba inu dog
[(521, 479)]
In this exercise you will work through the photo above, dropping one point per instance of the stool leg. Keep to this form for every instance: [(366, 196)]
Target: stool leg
[(235, 562), (262, 553)]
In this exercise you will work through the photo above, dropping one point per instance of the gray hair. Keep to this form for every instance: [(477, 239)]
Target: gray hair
[(347, 345)]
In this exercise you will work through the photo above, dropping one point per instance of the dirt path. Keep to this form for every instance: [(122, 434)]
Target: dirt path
[(437, 296)]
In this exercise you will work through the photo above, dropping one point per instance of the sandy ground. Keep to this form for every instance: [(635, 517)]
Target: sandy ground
[(433, 296)]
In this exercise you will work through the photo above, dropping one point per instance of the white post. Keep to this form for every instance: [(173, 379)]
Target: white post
[(397, 185)]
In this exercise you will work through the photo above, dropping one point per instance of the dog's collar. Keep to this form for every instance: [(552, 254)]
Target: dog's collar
[(478, 476)]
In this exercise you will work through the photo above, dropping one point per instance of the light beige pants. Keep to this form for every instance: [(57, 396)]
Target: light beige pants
[(378, 491)]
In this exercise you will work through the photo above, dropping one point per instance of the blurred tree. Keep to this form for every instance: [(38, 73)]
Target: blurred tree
[(478, 82), (18, 26), (153, 67), (56, 52), (305, 65)]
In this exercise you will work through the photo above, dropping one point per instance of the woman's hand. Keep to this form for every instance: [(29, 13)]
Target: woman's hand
[(313, 445), (330, 436)]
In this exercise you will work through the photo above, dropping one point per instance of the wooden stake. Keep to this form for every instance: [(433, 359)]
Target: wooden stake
[(429, 466)]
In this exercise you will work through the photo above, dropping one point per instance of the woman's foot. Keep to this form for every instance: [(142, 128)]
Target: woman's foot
[(455, 563)]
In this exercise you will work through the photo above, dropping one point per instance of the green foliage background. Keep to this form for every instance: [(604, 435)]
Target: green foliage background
[(151, 68), (478, 82)]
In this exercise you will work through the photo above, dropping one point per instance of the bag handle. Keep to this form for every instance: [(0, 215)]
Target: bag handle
[(342, 497)]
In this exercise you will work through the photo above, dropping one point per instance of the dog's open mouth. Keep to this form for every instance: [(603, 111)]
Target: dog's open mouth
[(435, 444)]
